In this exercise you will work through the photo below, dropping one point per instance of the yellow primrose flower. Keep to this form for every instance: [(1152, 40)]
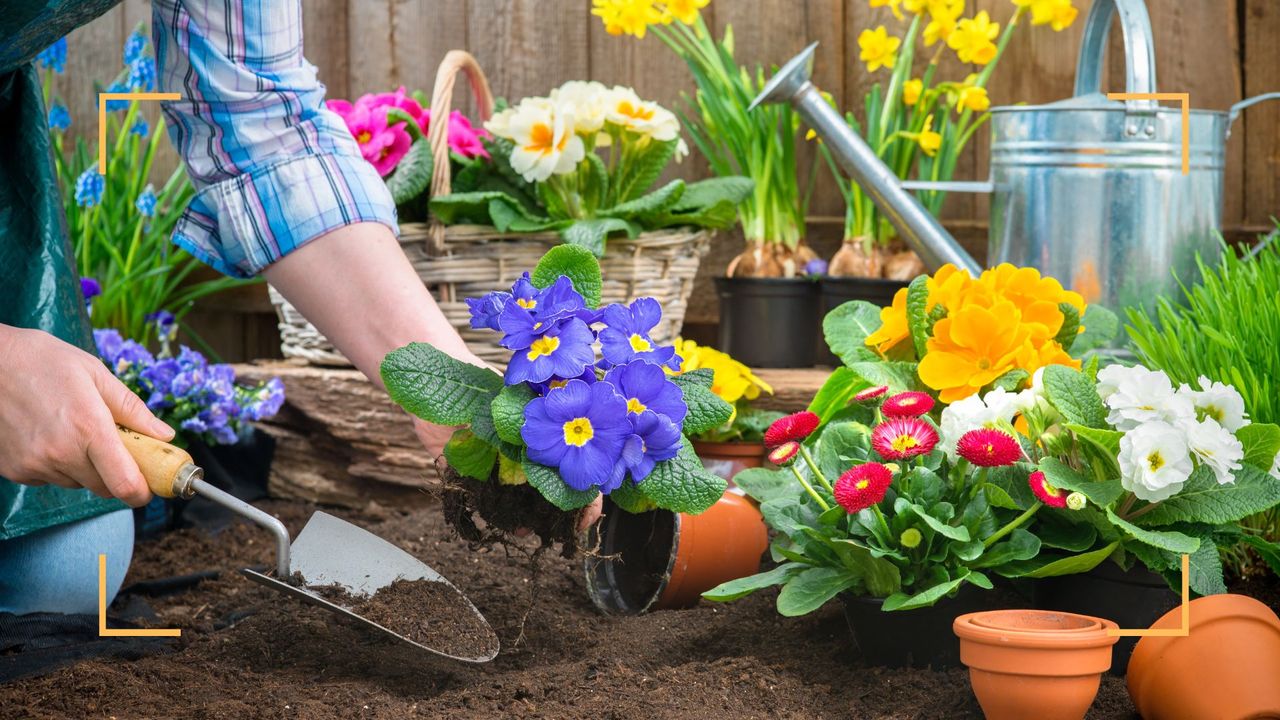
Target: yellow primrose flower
[(1057, 13), (972, 39), (911, 90), (929, 140), (686, 11), (974, 98), (626, 17), (879, 49), (892, 5), (623, 107)]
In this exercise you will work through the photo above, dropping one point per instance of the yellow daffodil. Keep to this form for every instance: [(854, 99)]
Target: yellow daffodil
[(811, 134), (686, 11), (879, 49), (1059, 14), (928, 139), (626, 17), (892, 5), (943, 15), (972, 39), (911, 90), (974, 98)]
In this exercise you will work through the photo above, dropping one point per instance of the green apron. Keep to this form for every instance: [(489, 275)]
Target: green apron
[(38, 283)]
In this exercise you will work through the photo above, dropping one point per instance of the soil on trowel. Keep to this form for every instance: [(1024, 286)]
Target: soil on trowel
[(432, 614)]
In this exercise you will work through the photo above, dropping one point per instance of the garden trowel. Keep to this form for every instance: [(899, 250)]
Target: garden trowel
[(328, 553)]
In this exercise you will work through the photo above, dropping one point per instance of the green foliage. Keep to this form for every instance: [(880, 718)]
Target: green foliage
[(507, 410), (846, 329), (682, 484), (554, 489), (1075, 396), (469, 455), (1205, 500), (437, 387), (575, 263), (412, 175), (706, 410), (1100, 328)]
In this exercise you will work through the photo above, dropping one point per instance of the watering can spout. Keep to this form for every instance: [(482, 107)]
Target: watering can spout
[(915, 225)]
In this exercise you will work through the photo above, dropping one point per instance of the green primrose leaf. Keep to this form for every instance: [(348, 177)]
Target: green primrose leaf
[(1164, 539), (468, 207), (1261, 443), (917, 315), (812, 588), (1011, 381), (836, 392), (1070, 536), (1021, 545), (1204, 500), (1267, 550), (629, 498), (648, 205), (899, 376), (575, 263), (412, 175), (553, 488), (765, 484), (437, 387), (960, 533), (1060, 475), (742, 587), (1100, 328), (1070, 329), (901, 601), (846, 329), (682, 484), (1205, 571), (997, 497), (508, 411), (706, 410), (1074, 396), (1042, 567), (1106, 441), (469, 455), (590, 234)]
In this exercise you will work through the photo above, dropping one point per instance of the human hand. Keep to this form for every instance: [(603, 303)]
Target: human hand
[(59, 407)]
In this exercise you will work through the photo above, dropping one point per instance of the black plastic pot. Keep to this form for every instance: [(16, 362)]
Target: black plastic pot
[(914, 638), (769, 322), (1133, 599), (837, 291)]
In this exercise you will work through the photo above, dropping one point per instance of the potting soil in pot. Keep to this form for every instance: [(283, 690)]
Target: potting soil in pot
[(247, 652), (429, 613)]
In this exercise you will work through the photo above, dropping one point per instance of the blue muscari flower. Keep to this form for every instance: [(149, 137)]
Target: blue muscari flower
[(158, 382), (582, 431), (142, 74), (134, 45), (90, 288), (59, 117), (264, 401), (654, 439), (647, 388), (54, 56), (542, 351), (89, 187), (117, 105), (166, 324), (816, 266), (140, 127), (109, 344), (626, 334), (132, 357), (146, 202)]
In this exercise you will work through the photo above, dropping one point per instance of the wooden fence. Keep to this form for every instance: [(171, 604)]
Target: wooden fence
[(1216, 50)]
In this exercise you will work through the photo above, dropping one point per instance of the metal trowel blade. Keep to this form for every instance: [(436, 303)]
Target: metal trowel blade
[(330, 551)]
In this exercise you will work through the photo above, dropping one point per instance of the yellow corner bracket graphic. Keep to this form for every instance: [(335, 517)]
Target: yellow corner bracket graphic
[(1183, 631), (1185, 99), (103, 630), (102, 117)]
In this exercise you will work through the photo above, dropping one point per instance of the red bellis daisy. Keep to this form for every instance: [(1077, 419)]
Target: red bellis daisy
[(862, 486), (987, 447), (785, 453), (871, 393), (1048, 494), (794, 427), (907, 404), (902, 438)]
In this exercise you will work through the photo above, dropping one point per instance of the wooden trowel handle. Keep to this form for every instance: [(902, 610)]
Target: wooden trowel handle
[(169, 469)]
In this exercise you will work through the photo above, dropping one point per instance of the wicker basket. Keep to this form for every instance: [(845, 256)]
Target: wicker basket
[(464, 261)]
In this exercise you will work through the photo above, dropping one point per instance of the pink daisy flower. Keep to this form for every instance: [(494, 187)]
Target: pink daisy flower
[(871, 393), (785, 453), (902, 438), (862, 486), (988, 447), (907, 404), (796, 426), (1048, 494)]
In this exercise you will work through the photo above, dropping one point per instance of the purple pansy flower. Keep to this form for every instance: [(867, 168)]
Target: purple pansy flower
[(626, 334), (658, 439), (647, 388), (581, 430), (561, 350)]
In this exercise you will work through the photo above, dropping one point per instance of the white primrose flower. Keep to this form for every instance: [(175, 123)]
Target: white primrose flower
[(625, 108), (1218, 401), (545, 144), (589, 101), (1155, 461), (1215, 446), (1275, 467), (1136, 395), (995, 409)]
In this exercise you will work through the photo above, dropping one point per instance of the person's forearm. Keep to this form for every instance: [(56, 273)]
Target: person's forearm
[(357, 287)]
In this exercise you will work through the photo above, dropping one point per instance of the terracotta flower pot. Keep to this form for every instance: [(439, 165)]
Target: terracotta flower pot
[(1227, 667), (1034, 663), (727, 459), (663, 560)]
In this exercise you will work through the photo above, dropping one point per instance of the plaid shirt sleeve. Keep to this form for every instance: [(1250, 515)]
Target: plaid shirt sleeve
[(272, 168)]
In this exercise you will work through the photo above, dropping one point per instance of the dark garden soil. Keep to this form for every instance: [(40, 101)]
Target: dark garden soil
[(504, 510), (249, 652)]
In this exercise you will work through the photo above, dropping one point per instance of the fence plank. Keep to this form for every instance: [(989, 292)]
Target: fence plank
[(1261, 124), (528, 47)]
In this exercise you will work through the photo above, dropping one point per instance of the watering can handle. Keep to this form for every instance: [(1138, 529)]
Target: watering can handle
[(1140, 52), (1239, 107)]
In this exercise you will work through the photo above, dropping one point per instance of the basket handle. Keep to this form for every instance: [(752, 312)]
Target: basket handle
[(455, 61)]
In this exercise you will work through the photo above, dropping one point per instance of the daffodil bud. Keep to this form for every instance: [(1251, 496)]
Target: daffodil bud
[(1076, 501), (910, 538)]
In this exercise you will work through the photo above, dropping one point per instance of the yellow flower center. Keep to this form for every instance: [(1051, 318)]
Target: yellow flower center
[(907, 402), (1214, 412), (557, 384), (635, 407), (364, 137), (542, 346), (528, 304), (862, 484), (1155, 461), (635, 112), (578, 431), (903, 443), (542, 139), (639, 344)]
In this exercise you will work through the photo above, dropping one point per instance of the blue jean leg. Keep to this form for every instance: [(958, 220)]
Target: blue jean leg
[(56, 569)]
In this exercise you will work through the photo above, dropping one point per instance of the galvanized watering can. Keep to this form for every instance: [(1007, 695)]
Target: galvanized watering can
[(1088, 190)]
